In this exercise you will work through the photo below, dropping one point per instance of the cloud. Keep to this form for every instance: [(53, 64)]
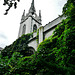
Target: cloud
[(2, 45), (61, 3), (3, 36), (3, 40)]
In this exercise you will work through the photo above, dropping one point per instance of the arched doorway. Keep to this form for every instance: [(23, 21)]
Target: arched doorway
[(31, 50)]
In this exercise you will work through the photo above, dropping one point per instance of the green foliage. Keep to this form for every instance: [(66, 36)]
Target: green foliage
[(59, 29), (54, 56), (15, 65), (69, 8), (59, 49), (37, 37), (10, 3), (20, 45)]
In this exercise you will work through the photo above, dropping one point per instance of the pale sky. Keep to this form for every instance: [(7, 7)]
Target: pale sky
[(9, 24)]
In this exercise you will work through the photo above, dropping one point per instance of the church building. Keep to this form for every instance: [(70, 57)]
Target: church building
[(31, 22)]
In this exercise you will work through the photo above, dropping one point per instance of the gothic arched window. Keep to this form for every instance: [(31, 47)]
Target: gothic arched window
[(24, 29), (34, 27)]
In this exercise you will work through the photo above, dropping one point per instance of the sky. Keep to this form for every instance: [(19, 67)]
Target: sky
[(9, 24)]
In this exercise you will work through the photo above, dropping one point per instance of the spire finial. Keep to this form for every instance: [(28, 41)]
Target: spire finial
[(40, 15), (32, 8), (23, 16), (24, 13)]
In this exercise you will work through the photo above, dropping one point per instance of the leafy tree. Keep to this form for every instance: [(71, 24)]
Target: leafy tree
[(10, 3), (14, 58), (15, 65), (20, 45)]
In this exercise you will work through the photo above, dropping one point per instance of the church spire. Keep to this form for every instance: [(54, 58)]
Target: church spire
[(40, 14), (23, 16), (32, 8), (23, 13)]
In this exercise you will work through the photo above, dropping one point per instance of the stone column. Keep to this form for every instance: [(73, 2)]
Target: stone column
[(41, 33)]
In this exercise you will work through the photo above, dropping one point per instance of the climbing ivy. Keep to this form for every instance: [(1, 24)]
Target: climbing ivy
[(20, 45), (37, 37)]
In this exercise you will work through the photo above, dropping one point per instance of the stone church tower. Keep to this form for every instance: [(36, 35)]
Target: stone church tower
[(30, 22)]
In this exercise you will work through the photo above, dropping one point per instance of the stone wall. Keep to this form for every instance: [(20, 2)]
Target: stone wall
[(33, 42), (50, 27)]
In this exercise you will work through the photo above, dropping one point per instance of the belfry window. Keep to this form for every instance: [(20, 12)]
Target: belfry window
[(34, 27), (24, 29)]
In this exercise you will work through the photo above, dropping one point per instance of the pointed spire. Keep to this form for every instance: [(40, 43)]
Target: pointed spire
[(23, 16), (32, 8), (40, 15), (23, 13)]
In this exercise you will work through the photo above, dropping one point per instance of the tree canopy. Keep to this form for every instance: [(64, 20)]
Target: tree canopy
[(10, 3)]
